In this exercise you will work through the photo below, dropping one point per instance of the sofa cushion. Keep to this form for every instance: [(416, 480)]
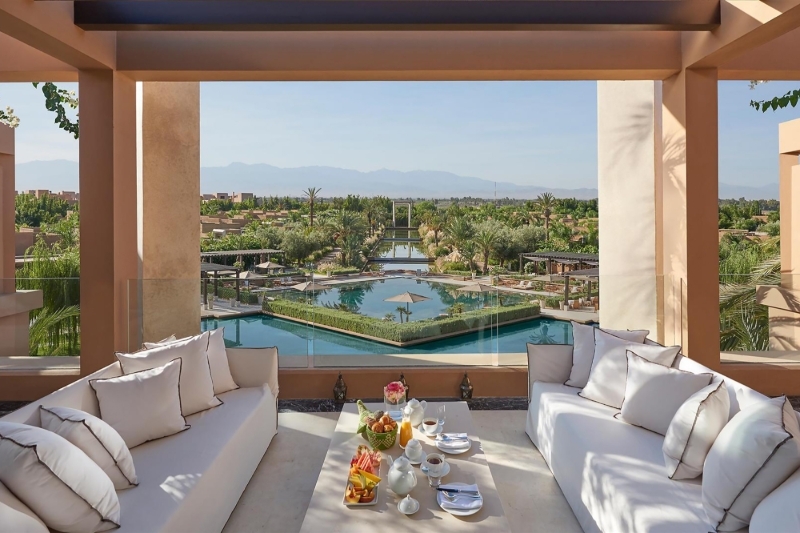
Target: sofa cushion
[(779, 512), (693, 430), (59, 482), (609, 368), (611, 473), (583, 340), (654, 393), (217, 359), (16, 517), (551, 365), (144, 405), (95, 438), (181, 476), (197, 389), (754, 453)]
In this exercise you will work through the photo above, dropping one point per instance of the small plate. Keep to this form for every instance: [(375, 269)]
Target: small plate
[(454, 451), (418, 461), (457, 512), (359, 504), (445, 469), (414, 510)]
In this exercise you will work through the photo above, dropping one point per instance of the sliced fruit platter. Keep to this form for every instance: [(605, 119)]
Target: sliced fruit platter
[(363, 480)]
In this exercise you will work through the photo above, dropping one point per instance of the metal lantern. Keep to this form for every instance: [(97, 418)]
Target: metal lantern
[(466, 388), (340, 390), (403, 381)]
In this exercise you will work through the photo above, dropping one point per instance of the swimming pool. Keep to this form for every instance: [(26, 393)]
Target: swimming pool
[(367, 298), (294, 339)]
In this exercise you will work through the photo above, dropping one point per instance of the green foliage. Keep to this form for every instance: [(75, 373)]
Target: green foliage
[(33, 212), (397, 332), (55, 100), (778, 102)]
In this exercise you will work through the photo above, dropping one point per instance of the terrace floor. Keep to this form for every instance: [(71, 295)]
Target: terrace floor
[(281, 488)]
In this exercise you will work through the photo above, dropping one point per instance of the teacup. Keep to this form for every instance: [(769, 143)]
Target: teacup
[(430, 426), (434, 464), (413, 450)]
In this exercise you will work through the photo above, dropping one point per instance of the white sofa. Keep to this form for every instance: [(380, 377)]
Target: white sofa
[(191, 481), (612, 474)]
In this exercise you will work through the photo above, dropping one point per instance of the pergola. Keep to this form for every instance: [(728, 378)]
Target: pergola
[(588, 275), (213, 271), (139, 63), (263, 254), (560, 258)]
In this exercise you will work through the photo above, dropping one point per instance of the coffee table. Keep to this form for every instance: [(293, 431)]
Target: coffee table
[(327, 514)]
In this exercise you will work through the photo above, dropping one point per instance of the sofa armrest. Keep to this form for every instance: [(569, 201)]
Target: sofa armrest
[(254, 367), (550, 363)]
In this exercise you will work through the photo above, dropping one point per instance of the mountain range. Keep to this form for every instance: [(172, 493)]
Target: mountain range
[(268, 180)]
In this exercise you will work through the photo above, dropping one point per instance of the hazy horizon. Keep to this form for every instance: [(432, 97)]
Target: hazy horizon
[(523, 133)]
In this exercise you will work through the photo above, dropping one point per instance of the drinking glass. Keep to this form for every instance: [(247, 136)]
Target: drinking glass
[(441, 415), (434, 463)]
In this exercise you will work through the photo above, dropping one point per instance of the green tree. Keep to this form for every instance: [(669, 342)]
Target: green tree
[(33, 212), (485, 240), (311, 193), (546, 202)]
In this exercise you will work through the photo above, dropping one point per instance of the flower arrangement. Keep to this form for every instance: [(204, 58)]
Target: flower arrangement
[(394, 393)]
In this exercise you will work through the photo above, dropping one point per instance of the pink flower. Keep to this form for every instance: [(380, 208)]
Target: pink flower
[(395, 386)]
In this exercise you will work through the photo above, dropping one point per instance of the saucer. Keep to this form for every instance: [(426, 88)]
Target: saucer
[(421, 458), (455, 450), (445, 469)]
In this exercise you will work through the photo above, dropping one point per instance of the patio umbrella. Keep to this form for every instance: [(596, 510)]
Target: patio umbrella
[(477, 287), (408, 298), (309, 286), (269, 265), (249, 275)]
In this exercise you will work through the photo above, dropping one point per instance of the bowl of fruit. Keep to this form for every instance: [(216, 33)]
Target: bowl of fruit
[(362, 481)]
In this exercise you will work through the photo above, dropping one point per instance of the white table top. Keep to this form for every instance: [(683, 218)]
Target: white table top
[(327, 514)]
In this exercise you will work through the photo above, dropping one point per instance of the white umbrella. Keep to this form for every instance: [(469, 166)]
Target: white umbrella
[(269, 265), (478, 287), (408, 298), (309, 286)]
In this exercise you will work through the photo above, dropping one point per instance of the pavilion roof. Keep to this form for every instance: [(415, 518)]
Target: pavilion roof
[(562, 257)]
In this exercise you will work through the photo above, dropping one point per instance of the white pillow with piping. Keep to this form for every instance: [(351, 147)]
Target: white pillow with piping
[(583, 341)]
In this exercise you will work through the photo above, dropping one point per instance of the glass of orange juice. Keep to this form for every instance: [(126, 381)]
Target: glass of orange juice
[(406, 432)]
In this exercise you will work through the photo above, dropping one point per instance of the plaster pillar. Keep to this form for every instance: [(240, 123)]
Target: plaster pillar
[(168, 129), (783, 302), (687, 205), (15, 306), (629, 142), (108, 213)]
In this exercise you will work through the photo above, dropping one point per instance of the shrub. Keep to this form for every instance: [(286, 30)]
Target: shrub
[(393, 331)]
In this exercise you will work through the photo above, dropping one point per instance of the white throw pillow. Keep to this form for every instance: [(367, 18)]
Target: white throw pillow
[(197, 389), (142, 406), (16, 517), (654, 393), (583, 341), (59, 482), (693, 430), (217, 360), (779, 511), (96, 438), (754, 453), (549, 363), (609, 369)]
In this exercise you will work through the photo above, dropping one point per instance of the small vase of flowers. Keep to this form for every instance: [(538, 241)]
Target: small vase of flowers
[(394, 396)]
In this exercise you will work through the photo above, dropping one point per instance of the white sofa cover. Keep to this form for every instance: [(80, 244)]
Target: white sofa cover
[(191, 481), (612, 474)]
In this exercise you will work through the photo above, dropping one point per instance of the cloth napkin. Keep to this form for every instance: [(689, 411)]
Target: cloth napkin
[(461, 503), (454, 443), (445, 436)]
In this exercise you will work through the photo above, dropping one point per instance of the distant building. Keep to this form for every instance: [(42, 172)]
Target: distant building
[(38, 193), (70, 197), (242, 197)]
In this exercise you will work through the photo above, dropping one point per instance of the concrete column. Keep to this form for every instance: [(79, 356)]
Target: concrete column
[(783, 302), (7, 210), (629, 141), (687, 203), (168, 128), (108, 214)]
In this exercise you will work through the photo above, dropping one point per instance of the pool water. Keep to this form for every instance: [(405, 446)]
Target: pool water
[(367, 298), (293, 338)]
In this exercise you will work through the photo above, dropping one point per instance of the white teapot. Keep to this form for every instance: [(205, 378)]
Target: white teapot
[(401, 476), (415, 410)]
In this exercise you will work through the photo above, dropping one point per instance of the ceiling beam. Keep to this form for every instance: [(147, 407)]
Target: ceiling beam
[(48, 27), (323, 15), (266, 56)]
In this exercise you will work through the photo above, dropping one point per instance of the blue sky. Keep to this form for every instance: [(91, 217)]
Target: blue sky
[(541, 133)]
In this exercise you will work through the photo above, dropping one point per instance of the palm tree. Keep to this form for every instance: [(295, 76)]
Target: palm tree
[(348, 229), (546, 202), (486, 241), (389, 317), (436, 224), (311, 194), (401, 311), (744, 324)]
